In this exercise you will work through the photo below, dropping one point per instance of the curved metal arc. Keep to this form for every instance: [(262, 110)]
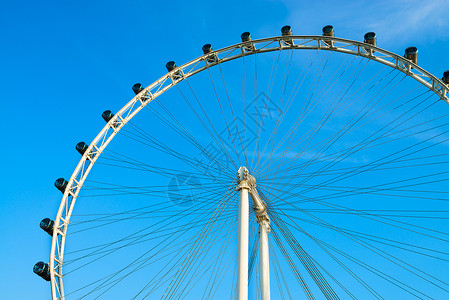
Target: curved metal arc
[(363, 49), (130, 109)]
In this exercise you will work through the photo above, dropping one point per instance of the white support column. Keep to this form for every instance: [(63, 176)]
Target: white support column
[(242, 267), (264, 261), (247, 186)]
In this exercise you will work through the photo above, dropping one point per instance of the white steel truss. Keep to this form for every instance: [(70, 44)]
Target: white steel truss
[(247, 185), (191, 68)]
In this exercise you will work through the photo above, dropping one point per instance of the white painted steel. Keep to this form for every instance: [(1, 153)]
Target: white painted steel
[(264, 261), (197, 65), (247, 181), (243, 240)]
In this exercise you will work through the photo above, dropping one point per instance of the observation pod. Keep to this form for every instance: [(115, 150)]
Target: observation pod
[(446, 77), (47, 226), (246, 37), (107, 115), (42, 270), (81, 147), (137, 88), (370, 38), (411, 53), (287, 31), (171, 65), (208, 49), (328, 30), (61, 184)]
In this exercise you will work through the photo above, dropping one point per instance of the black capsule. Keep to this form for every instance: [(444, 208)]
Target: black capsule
[(328, 30), (47, 225), (411, 53), (107, 115), (207, 48), (171, 65), (81, 147), (61, 184), (446, 77), (286, 30), (42, 269), (137, 88), (212, 57), (246, 36), (370, 38)]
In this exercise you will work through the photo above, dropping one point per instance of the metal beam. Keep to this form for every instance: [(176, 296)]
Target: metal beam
[(243, 236), (264, 228), (248, 183)]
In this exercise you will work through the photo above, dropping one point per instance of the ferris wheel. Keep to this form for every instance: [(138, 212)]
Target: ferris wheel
[(288, 167)]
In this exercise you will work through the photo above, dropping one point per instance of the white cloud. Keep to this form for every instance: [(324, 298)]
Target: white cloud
[(395, 22), (413, 19)]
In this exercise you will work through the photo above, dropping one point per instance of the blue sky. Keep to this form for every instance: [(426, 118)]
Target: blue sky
[(63, 64)]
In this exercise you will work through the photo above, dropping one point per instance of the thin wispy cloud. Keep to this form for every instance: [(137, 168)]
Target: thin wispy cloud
[(413, 19), (395, 22)]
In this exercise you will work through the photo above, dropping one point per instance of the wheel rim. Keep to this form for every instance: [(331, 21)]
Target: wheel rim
[(131, 109)]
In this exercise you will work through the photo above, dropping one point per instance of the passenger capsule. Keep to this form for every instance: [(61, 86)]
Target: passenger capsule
[(47, 225), (370, 38), (137, 88), (61, 184), (208, 49), (107, 115), (246, 37), (328, 30), (411, 53), (446, 77), (81, 147), (286, 30), (170, 67), (42, 269)]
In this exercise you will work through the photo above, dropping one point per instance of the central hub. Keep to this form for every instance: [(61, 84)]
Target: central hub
[(246, 181)]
